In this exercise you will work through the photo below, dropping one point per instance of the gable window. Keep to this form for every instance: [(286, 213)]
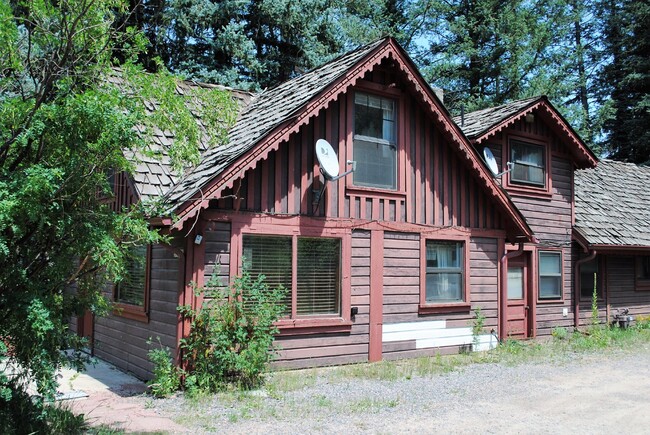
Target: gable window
[(444, 272), (550, 275), (317, 271), (375, 144), (131, 294), (529, 163)]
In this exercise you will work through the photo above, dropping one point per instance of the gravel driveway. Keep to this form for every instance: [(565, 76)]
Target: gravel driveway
[(588, 393)]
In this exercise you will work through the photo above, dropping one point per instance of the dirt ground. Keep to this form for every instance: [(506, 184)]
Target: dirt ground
[(593, 393)]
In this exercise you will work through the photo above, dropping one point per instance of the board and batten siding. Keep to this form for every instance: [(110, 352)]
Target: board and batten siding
[(409, 334), (123, 341), (298, 351), (435, 187)]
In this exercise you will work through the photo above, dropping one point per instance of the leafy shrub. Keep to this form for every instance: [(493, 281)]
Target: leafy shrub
[(559, 333), (642, 322), (166, 375), (231, 336)]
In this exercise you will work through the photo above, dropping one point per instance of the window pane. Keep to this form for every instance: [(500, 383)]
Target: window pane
[(376, 164), (588, 272), (270, 256), (529, 163), (444, 287), (444, 280), (550, 275), (515, 282), (549, 263), (550, 287), (132, 288), (319, 279)]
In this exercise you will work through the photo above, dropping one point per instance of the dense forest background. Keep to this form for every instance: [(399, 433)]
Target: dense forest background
[(590, 57)]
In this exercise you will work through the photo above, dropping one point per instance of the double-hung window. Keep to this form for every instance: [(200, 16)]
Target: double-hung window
[(375, 143), (550, 275), (131, 292), (529, 163), (444, 274), (316, 274)]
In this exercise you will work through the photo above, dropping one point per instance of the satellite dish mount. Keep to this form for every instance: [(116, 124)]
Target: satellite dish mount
[(329, 165), (492, 163)]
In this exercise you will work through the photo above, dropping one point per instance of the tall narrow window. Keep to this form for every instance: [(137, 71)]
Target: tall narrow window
[(444, 272), (132, 288), (375, 145), (318, 277), (550, 275), (529, 163)]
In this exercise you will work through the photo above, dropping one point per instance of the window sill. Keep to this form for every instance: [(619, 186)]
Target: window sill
[(456, 307), (550, 301), (521, 190), (374, 192), (131, 312), (313, 326)]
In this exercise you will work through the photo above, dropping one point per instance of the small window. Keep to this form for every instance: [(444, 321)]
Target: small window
[(529, 163), (131, 293), (589, 277), (131, 290), (643, 268), (375, 145), (444, 276), (318, 275), (550, 275)]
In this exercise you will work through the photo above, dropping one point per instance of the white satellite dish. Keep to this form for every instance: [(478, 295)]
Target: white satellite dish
[(327, 158), (491, 161)]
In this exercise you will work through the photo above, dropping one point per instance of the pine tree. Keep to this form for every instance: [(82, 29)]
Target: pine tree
[(627, 78)]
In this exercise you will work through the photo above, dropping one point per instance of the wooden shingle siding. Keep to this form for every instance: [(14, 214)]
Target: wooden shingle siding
[(122, 341), (299, 351)]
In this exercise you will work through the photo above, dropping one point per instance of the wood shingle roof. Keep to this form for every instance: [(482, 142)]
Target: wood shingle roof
[(613, 205), (475, 124)]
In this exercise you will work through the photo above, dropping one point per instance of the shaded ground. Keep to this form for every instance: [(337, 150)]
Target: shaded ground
[(576, 393)]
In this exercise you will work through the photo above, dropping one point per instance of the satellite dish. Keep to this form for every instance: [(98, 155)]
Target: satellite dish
[(327, 158), (491, 161)]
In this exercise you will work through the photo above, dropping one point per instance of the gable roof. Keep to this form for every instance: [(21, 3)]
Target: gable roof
[(482, 124), (613, 205), (267, 111)]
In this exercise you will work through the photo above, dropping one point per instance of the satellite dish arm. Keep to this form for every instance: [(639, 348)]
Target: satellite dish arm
[(349, 162), (510, 166)]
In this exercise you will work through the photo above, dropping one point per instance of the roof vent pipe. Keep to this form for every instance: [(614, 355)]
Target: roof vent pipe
[(462, 116)]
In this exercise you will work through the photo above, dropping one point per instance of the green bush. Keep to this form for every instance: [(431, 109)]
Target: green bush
[(230, 341), (166, 375)]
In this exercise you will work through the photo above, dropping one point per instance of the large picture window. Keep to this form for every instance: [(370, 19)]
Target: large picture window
[(317, 290), (132, 291), (444, 275), (529, 163), (375, 145), (550, 275)]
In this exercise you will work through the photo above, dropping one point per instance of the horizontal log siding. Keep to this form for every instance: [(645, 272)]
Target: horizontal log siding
[(436, 189), (122, 341), (336, 348), (620, 285), (216, 238), (402, 290)]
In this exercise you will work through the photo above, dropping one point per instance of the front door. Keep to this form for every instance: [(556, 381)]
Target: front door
[(518, 308)]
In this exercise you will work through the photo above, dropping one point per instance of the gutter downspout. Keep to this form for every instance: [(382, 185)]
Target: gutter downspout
[(504, 289), (576, 286)]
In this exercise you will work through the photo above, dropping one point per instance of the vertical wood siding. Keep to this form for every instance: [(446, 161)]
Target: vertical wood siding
[(436, 190), (122, 341), (336, 348), (216, 238)]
